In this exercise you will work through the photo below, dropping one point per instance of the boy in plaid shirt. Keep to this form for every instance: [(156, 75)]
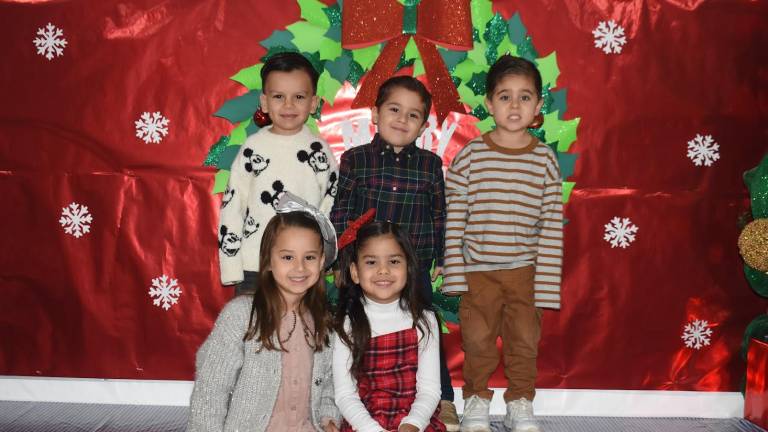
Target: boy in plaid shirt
[(405, 185)]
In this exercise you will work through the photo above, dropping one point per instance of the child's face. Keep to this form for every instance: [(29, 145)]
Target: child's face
[(288, 98), (381, 269), (514, 103), (400, 118), (296, 262)]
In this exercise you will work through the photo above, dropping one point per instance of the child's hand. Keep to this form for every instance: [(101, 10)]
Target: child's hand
[(436, 272), (330, 427), (407, 427)]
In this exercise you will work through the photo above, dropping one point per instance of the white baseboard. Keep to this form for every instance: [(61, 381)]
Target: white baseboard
[(604, 403)]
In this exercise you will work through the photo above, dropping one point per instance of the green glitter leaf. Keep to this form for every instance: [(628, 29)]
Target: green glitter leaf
[(480, 112), (313, 11), (549, 70), (333, 12), (240, 108), (220, 181), (516, 29), (756, 180), (526, 50), (212, 158), (355, 73), (366, 56), (477, 83), (495, 32), (250, 77)]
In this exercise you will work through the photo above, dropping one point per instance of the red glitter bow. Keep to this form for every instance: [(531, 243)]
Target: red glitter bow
[(444, 22), (350, 234)]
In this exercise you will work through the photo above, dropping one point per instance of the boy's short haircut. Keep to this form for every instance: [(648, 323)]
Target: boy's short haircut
[(408, 83), (288, 62), (511, 65)]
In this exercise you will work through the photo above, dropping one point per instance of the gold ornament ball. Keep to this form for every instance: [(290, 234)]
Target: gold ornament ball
[(753, 244)]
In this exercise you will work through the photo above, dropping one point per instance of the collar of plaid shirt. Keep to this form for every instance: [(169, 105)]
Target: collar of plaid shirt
[(383, 146)]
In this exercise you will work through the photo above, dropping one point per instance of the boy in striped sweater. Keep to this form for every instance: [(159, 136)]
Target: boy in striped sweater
[(504, 245)]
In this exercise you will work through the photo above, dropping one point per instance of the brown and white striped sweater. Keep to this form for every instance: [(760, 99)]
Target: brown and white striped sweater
[(505, 211)]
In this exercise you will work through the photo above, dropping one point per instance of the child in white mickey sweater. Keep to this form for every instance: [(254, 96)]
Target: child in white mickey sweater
[(285, 156)]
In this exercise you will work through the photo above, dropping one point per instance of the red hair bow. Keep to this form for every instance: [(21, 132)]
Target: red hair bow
[(350, 234)]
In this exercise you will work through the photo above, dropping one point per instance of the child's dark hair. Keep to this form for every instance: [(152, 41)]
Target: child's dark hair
[(288, 62), (267, 307), (350, 305), (408, 83), (511, 65)]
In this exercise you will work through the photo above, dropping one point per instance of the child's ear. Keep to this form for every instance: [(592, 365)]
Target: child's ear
[(539, 105), (374, 118), (488, 105), (313, 105), (353, 273), (263, 101)]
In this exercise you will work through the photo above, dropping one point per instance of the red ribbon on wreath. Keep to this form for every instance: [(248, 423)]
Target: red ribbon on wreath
[(447, 23)]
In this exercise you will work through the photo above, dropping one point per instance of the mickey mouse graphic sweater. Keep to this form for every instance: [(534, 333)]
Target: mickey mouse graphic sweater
[(266, 166)]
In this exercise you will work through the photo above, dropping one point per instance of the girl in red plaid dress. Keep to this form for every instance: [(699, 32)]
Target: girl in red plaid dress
[(386, 370)]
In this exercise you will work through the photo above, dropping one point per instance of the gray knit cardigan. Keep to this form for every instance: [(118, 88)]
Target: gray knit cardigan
[(236, 387)]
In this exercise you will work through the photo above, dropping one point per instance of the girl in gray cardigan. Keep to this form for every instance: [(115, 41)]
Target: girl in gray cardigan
[(266, 364)]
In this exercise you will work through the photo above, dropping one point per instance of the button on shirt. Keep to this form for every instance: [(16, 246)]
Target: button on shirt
[(406, 188)]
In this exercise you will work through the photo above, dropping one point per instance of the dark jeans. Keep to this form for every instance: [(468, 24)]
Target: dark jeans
[(446, 388), (248, 285)]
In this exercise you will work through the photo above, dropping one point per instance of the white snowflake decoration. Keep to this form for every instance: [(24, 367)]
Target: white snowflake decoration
[(609, 36), (165, 291), (50, 42), (152, 128), (76, 220), (696, 334), (620, 232), (703, 150)]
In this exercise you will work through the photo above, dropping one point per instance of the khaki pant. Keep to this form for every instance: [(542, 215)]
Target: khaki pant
[(500, 303)]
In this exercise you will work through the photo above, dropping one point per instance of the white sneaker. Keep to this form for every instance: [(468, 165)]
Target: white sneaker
[(476, 418), (519, 416)]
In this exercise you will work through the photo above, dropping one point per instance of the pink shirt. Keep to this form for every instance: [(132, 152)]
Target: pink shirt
[(291, 412)]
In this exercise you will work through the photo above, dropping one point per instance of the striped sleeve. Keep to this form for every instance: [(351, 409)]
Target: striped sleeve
[(549, 256), (456, 190)]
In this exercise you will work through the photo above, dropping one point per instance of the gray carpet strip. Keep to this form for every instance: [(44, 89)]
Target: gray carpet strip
[(71, 417)]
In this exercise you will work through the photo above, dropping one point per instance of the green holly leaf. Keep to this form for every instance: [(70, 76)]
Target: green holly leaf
[(549, 70), (477, 53), (312, 125), (495, 32), (562, 131), (482, 11), (334, 32), (313, 11), (477, 83), (567, 189), (250, 77), (220, 181), (329, 49), (251, 129), (526, 50), (465, 70), (279, 38), (333, 12), (327, 87), (212, 158), (227, 157), (567, 161), (365, 57), (506, 47), (558, 102), (355, 73), (480, 112), (240, 108), (339, 67), (516, 29), (486, 125), (239, 134), (468, 96), (452, 58), (307, 37)]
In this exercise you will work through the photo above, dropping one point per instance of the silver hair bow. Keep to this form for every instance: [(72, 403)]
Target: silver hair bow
[(289, 202)]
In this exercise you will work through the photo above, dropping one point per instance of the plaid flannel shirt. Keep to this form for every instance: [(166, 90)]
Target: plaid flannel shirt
[(405, 188)]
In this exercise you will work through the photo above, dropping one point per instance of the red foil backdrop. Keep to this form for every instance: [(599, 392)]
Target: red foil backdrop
[(80, 307)]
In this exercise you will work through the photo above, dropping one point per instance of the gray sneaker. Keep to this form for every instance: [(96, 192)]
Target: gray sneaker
[(519, 416), (476, 418)]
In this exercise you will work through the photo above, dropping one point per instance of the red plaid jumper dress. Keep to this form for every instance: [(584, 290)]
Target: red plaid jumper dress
[(387, 381)]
